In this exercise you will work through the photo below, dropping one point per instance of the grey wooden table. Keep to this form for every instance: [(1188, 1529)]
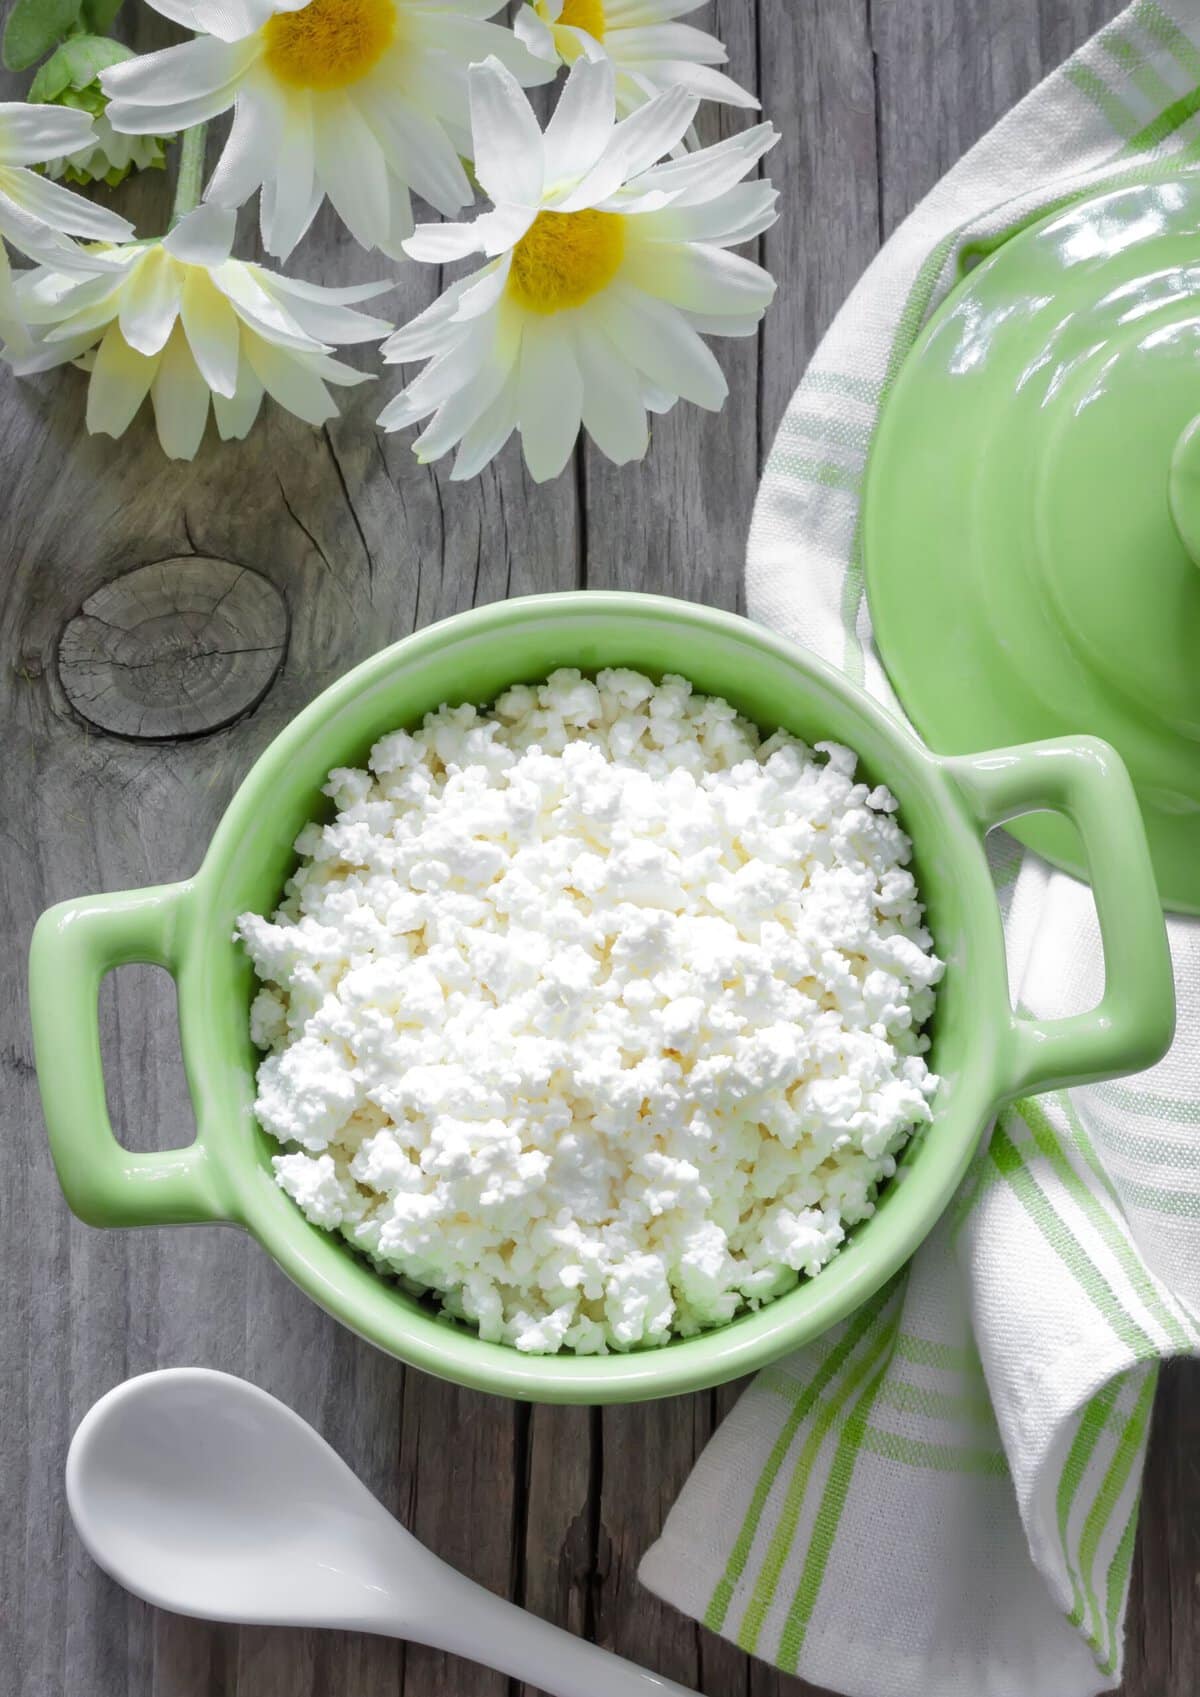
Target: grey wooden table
[(875, 99)]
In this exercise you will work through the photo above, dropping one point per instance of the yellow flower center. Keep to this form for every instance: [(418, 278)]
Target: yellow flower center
[(584, 14), (564, 258), (329, 43), (587, 15)]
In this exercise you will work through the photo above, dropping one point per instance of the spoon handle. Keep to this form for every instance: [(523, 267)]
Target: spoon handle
[(475, 1623)]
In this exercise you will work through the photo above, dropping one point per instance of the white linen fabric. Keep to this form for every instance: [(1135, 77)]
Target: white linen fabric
[(940, 1498)]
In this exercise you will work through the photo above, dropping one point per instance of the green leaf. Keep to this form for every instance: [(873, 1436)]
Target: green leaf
[(98, 15), (33, 28)]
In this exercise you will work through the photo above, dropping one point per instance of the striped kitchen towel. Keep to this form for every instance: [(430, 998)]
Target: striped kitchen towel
[(940, 1498)]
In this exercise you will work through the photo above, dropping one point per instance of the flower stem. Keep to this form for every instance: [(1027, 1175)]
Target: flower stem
[(190, 176)]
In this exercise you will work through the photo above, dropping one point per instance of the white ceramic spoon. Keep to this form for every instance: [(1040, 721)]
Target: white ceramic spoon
[(202, 1494)]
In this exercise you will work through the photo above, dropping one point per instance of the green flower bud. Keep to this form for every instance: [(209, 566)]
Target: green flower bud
[(70, 77)]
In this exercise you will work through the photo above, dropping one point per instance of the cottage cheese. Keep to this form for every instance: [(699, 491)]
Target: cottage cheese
[(595, 1014)]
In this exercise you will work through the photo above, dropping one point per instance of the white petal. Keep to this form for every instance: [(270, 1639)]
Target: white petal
[(485, 290), (318, 292), (13, 331), (419, 151), (289, 195), (711, 171), (536, 35), (613, 414), (660, 343), (45, 358), (42, 292), (176, 74), (484, 440), (437, 83), (698, 277), (657, 400), (235, 417), (582, 125), (463, 8), (703, 81), (491, 233), (442, 244), (289, 381), (204, 236), (31, 236), (29, 135), (736, 216), (574, 43), (180, 397), (668, 41), (400, 218), (431, 328), (725, 324), (213, 332), (53, 297), (443, 376), (150, 302), (136, 118), (254, 141), (87, 318), (350, 168), (471, 43), (118, 385), (335, 371), (61, 210), (461, 410), (549, 398), (507, 140), (228, 20), (637, 141), (260, 311), (621, 14), (457, 414), (322, 319)]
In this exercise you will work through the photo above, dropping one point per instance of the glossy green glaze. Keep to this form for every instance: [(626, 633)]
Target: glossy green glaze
[(1032, 509), (983, 1053)]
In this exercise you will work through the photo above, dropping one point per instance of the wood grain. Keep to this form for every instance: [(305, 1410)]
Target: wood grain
[(875, 98)]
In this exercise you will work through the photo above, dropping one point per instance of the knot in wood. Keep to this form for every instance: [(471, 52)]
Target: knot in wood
[(174, 649)]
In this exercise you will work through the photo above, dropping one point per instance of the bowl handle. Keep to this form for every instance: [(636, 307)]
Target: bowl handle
[(74, 945), (1134, 1022)]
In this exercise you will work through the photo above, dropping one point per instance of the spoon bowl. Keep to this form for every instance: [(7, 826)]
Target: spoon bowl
[(203, 1494)]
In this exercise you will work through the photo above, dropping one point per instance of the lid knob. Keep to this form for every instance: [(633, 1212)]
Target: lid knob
[(1183, 488)]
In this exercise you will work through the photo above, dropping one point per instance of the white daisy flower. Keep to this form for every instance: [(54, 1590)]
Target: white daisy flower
[(177, 319), (649, 50), (358, 100), (604, 267), (37, 217)]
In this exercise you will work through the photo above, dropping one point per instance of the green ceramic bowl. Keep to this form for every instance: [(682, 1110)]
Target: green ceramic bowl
[(983, 1053)]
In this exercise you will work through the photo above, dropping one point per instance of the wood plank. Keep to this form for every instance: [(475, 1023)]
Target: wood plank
[(818, 83), (1162, 1646), (676, 524)]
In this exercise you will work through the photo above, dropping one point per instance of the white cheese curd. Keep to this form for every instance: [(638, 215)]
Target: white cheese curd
[(595, 1014)]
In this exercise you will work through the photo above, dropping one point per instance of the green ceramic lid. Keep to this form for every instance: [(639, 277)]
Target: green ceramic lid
[(1032, 509)]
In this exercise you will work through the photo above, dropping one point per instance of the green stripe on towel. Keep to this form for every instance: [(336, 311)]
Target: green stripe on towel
[(1062, 1240), (806, 1397)]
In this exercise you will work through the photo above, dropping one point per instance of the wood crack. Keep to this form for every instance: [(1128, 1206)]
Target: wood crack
[(350, 507)]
